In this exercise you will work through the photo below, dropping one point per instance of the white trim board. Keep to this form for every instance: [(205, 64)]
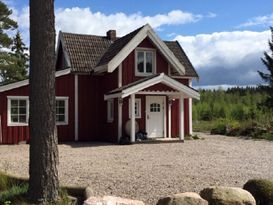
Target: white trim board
[(26, 82), (146, 31), (162, 78)]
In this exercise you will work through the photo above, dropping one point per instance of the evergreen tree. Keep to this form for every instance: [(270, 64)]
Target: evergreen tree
[(268, 77), (13, 65)]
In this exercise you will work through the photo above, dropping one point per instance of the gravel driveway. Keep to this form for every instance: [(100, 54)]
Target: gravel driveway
[(149, 171)]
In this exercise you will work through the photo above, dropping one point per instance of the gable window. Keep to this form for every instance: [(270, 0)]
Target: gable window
[(145, 62), (110, 110), (18, 113), (137, 108), (61, 110)]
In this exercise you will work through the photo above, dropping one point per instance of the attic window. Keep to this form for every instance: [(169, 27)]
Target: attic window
[(145, 62)]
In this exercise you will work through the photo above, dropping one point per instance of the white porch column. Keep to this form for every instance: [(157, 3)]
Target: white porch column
[(133, 130), (181, 117), (169, 118), (190, 110), (119, 119)]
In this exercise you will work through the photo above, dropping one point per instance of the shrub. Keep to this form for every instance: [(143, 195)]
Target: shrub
[(4, 181), (267, 136), (220, 129), (261, 189), (14, 193)]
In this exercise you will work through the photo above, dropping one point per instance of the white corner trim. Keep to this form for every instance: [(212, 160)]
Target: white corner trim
[(169, 119), (181, 119), (190, 111), (76, 97), (119, 119), (165, 116), (120, 75), (26, 82), (133, 122), (146, 31)]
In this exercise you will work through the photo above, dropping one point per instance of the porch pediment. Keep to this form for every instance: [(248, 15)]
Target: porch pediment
[(150, 84)]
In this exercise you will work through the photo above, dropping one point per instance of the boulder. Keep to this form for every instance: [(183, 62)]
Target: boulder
[(262, 190), (111, 200), (188, 198), (227, 196)]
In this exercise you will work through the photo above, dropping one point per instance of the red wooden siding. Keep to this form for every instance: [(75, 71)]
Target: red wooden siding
[(176, 120), (15, 134)]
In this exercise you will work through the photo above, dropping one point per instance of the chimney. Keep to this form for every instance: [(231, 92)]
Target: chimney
[(111, 35)]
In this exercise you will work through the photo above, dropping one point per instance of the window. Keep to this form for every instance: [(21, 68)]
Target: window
[(61, 110), (155, 107), (110, 110), (18, 111), (137, 108), (145, 62)]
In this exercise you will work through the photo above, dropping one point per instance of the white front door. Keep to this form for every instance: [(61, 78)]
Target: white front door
[(155, 116)]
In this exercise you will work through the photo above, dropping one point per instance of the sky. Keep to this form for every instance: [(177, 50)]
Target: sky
[(224, 40)]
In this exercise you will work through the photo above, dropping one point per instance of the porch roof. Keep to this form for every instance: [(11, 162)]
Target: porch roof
[(143, 83)]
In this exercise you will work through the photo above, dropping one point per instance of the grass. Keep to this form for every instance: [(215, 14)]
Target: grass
[(13, 191)]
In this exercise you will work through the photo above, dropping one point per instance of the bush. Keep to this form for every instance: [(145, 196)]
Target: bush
[(261, 189), (220, 129)]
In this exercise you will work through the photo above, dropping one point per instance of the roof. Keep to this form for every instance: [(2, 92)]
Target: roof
[(141, 84), (87, 52), (179, 53)]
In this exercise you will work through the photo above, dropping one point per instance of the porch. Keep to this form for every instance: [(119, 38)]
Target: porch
[(161, 105)]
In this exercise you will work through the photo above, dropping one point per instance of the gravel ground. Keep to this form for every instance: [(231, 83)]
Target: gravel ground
[(148, 171)]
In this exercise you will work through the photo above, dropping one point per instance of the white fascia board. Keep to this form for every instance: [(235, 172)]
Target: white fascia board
[(166, 52), (111, 96), (182, 88), (125, 51), (101, 69), (26, 82)]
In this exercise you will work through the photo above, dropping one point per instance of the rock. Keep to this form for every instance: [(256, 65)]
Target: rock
[(262, 190), (227, 196), (188, 198), (111, 200), (88, 192)]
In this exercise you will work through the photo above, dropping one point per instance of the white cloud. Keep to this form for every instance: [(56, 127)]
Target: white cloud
[(83, 20), (226, 57), (229, 48), (266, 20)]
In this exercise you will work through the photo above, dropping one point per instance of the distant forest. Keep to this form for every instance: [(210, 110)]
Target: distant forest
[(235, 108)]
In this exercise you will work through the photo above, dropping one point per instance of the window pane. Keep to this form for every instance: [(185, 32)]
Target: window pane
[(140, 62), (23, 118), (14, 103), (60, 118), (14, 118), (149, 62), (23, 110), (60, 103), (14, 110), (60, 110), (23, 103)]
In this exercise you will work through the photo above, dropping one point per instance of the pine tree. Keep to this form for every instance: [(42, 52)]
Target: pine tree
[(13, 65), (268, 77), (43, 180)]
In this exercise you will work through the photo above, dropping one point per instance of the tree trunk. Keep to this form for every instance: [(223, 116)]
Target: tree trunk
[(43, 182)]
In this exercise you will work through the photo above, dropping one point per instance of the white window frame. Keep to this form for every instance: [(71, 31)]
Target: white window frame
[(9, 110), (65, 99), (13, 124), (138, 109), (110, 110), (137, 50)]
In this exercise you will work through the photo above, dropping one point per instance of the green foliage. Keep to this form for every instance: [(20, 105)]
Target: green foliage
[(220, 129), (6, 24), (14, 193), (13, 60), (261, 189), (268, 76)]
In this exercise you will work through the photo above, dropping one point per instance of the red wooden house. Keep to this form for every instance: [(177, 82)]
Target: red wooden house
[(98, 78)]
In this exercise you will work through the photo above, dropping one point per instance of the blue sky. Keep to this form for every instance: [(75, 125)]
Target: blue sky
[(224, 39)]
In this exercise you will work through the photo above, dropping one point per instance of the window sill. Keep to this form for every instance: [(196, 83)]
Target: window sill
[(143, 74), (17, 124)]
